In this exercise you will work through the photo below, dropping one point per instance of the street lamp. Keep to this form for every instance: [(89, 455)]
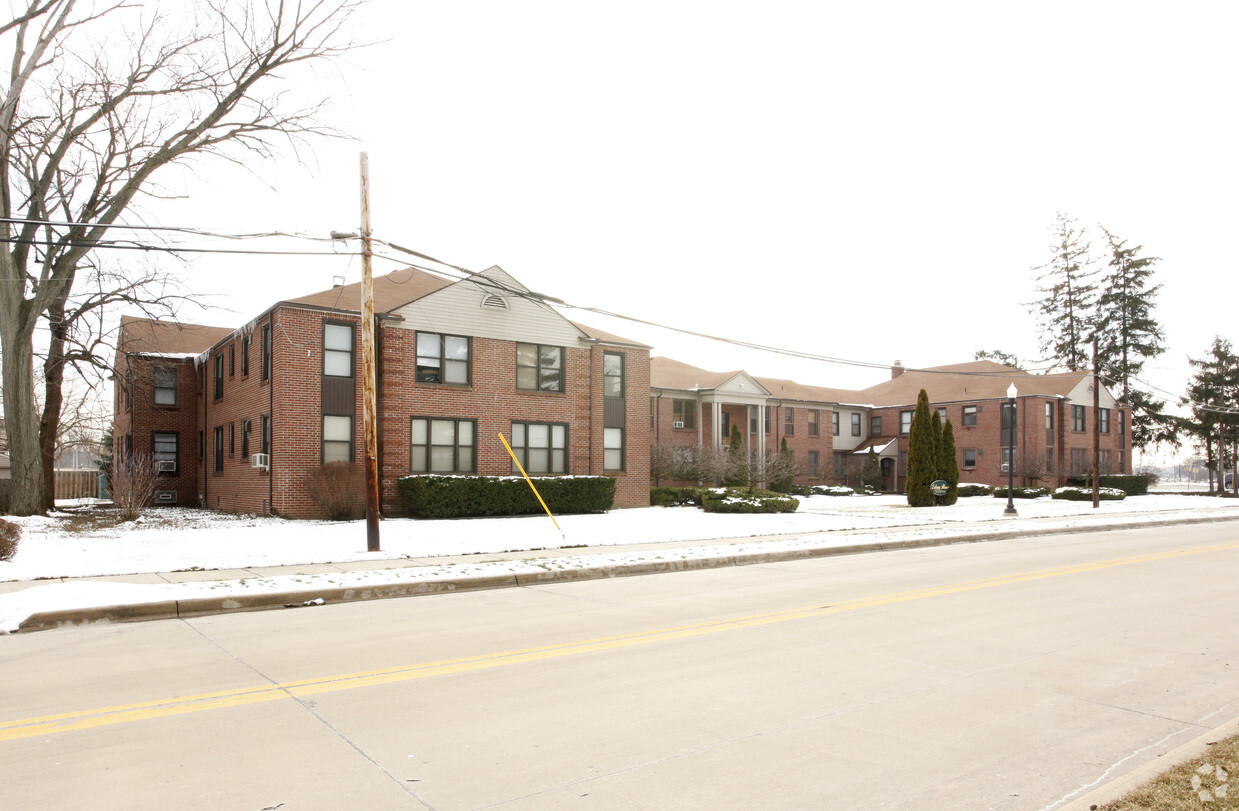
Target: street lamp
[(1011, 392)]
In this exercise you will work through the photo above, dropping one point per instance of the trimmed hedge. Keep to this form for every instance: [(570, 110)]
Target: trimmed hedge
[(976, 490), (744, 500), (474, 496), (1086, 494), (1131, 485), (832, 490), (677, 496), (1022, 492)]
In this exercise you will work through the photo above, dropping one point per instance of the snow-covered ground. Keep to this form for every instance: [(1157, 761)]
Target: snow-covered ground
[(67, 544)]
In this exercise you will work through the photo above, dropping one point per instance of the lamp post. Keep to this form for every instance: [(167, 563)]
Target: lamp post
[(1011, 392)]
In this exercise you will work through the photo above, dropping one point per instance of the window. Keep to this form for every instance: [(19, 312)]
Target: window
[(814, 416), (942, 416), (165, 386), (834, 423), (245, 355), (684, 411), (164, 447), (813, 464), (1049, 416), (789, 421), (245, 439), (539, 368), (1079, 460), (232, 360), (540, 447), (905, 421), (725, 425), (612, 448), (612, 375), (855, 423), (1008, 417), (232, 439), (337, 350), (1103, 420), (969, 416), (266, 351), (219, 376), (766, 420), (1077, 418), (442, 445), (337, 438), (266, 434), (1008, 457), (201, 445), (970, 458), (875, 425), (219, 449), (128, 390), (1049, 460), (442, 358)]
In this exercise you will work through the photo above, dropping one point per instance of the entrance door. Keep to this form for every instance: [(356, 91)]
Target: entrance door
[(888, 472)]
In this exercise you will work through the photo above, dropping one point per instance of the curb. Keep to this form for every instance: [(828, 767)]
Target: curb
[(207, 606), (1119, 787)]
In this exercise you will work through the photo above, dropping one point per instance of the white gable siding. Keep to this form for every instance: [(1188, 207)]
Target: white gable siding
[(1080, 395), (458, 310)]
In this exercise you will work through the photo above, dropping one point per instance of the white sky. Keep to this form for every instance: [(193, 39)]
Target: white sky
[(868, 181)]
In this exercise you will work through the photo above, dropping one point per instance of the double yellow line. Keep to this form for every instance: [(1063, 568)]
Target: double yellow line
[(182, 705)]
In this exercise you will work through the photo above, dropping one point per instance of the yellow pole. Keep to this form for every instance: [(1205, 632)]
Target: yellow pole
[(530, 482)]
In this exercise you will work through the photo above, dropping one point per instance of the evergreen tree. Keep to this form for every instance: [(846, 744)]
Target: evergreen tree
[(1128, 334), (738, 475), (922, 455), (871, 473), (999, 356), (1213, 397), (948, 464), (783, 470), (1068, 297)]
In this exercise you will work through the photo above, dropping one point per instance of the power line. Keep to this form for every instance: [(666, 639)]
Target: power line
[(167, 249)]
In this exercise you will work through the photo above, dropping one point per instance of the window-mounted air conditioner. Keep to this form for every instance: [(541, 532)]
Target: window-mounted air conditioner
[(677, 424), (261, 460), (165, 466)]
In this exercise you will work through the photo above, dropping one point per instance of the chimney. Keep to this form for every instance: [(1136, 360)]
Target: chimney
[(897, 369)]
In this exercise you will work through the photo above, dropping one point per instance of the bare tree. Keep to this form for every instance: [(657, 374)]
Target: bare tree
[(134, 482), (95, 104)]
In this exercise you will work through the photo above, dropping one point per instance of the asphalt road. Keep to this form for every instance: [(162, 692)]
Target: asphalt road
[(1008, 674)]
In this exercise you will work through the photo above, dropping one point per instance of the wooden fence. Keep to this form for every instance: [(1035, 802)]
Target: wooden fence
[(77, 484)]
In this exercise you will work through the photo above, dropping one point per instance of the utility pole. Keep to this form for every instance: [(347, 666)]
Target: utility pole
[(1096, 427), (368, 407)]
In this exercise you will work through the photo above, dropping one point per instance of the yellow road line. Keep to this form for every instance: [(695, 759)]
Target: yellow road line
[(181, 705)]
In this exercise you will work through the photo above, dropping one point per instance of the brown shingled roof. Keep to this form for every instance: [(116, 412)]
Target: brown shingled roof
[(607, 337), (976, 380), (145, 335), (391, 291), (666, 373)]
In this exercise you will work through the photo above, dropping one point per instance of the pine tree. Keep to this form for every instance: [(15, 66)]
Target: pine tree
[(738, 475), (948, 464), (1213, 397), (1128, 335), (1068, 297), (783, 470), (922, 455)]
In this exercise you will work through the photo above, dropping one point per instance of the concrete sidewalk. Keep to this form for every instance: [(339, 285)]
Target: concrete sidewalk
[(701, 554)]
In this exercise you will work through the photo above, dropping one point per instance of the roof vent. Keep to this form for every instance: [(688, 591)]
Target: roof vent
[(337, 281), (494, 302)]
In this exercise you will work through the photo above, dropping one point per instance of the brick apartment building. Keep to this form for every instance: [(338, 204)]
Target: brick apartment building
[(235, 419), (830, 431)]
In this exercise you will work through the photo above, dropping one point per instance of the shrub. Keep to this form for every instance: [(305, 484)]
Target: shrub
[(10, 534), (677, 496), (1131, 485), (339, 488), (134, 486), (744, 500), (1086, 494), (832, 490), (475, 496), (1022, 492), (976, 490)]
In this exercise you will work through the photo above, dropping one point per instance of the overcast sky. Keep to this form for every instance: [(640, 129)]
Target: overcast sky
[(861, 180)]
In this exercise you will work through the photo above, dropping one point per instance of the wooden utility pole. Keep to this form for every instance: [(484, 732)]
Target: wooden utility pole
[(1096, 429), (368, 407)]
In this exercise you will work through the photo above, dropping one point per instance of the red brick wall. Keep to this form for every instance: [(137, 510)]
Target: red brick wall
[(142, 418)]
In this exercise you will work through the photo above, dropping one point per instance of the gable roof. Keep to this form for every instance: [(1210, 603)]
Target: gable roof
[(606, 337), (666, 373), (153, 337), (391, 291), (975, 380)]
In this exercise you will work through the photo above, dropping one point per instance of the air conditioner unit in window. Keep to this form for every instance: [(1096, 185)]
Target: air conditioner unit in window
[(677, 424), (261, 460), (165, 467)]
